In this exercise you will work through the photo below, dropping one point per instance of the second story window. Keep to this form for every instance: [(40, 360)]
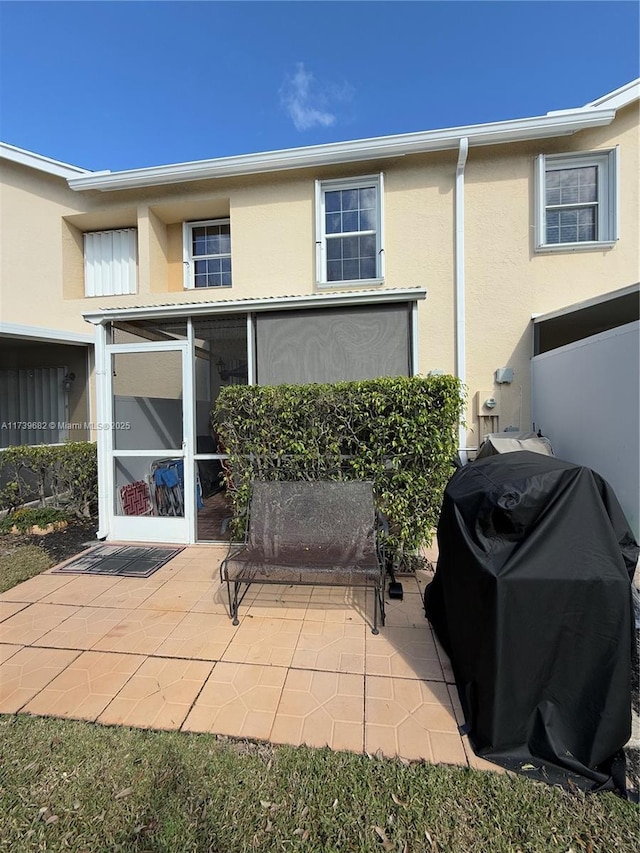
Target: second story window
[(349, 230), (207, 253), (576, 200)]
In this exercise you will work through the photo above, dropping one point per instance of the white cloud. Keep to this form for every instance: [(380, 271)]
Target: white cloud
[(303, 101)]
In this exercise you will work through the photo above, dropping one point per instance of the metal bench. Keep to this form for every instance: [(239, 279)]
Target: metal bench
[(314, 533)]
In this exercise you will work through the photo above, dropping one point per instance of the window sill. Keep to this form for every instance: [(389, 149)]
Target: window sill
[(213, 287), (575, 247), (349, 283)]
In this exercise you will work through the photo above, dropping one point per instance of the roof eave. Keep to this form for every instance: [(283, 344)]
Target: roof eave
[(41, 163), (268, 303), (346, 152)]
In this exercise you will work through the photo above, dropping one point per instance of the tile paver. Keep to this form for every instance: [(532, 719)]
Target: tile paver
[(84, 628), (35, 588), (197, 570), (330, 646), (177, 595), (80, 589), (85, 688), (33, 622), (403, 652), (238, 700), (8, 608), (339, 604), (27, 672), (265, 641), (215, 600), (159, 695), (140, 631), (410, 718), (128, 593), (8, 650), (408, 613), (203, 636), (273, 607), (301, 667), (319, 709)]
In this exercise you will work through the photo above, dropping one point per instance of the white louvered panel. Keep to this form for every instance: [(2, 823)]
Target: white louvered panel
[(30, 400), (110, 262)]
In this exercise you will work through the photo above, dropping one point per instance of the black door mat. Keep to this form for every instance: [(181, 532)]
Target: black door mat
[(127, 561)]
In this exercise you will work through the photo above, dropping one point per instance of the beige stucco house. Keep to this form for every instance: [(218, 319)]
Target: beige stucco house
[(128, 299)]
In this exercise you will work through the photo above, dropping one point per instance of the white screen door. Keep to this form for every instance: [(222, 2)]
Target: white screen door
[(153, 488)]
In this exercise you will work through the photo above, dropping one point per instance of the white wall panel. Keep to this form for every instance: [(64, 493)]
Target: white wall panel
[(586, 399)]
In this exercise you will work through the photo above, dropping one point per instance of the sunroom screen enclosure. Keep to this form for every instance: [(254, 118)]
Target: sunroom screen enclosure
[(157, 378)]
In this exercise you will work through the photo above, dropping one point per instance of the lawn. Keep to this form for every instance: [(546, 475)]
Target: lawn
[(79, 787), (72, 786)]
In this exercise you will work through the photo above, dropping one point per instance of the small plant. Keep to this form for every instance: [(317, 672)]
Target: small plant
[(24, 519)]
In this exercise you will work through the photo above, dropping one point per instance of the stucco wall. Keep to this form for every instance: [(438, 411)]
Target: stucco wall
[(273, 248)]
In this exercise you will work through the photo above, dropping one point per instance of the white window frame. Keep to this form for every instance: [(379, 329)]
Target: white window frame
[(321, 188), (606, 204), (188, 258)]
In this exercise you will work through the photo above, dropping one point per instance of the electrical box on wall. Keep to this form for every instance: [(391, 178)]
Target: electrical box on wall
[(487, 404), (504, 375)]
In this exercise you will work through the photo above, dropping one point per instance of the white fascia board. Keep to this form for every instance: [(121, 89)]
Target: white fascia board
[(348, 152), (37, 333), (314, 300), (626, 94), (587, 303), (42, 164), (621, 97)]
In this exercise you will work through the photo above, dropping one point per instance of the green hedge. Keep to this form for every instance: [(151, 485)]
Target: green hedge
[(64, 476), (400, 433)]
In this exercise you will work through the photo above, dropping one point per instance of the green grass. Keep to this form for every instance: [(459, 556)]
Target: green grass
[(71, 786), (22, 563)]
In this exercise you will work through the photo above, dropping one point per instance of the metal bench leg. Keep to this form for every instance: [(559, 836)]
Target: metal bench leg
[(376, 600), (233, 606), (235, 600), (378, 603)]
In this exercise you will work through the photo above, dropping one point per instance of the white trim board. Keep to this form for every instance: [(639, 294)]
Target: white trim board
[(493, 133), (39, 162), (268, 303), (37, 333)]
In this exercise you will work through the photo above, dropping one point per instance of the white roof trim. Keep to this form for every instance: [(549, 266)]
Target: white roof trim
[(494, 133), (587, 303), (268, 303), (37, 333), (621, 97), (37, 161)]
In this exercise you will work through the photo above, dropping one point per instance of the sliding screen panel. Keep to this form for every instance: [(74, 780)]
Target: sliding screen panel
[(333, 344)]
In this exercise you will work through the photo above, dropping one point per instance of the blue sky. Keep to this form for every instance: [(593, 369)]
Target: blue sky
[(117, 85)]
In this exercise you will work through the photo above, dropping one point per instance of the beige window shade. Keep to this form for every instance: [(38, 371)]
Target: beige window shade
[(333, 344)]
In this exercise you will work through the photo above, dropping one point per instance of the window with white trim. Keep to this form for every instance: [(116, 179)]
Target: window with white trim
[(576, 200), (207, 253), (111, 262), (349, 238)]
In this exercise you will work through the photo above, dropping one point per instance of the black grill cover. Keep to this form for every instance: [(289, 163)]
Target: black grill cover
[(532, 601)]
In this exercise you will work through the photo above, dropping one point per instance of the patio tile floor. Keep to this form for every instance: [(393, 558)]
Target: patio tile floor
[(301, 667)]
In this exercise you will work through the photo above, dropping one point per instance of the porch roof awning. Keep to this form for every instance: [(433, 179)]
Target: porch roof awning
[(262, 303)]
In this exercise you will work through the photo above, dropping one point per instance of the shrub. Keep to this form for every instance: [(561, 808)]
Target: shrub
[(401, 433), (64, 476), (24, 519)]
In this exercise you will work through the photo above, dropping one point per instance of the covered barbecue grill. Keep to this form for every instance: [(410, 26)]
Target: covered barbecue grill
[(532, 601)]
